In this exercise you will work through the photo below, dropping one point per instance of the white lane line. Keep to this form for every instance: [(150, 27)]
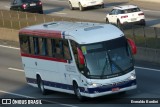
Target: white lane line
[(147, 68), (60, 13), (10, 47), (24, 96), (15, 69)]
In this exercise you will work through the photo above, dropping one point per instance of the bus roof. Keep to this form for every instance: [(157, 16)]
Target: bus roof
[(81, 32)]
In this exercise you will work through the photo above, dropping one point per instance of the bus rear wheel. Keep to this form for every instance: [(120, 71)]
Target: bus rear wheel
[(77, 91), (41, 85)]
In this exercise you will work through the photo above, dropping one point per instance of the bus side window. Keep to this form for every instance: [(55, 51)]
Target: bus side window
[(67, 54), (53, 45), (59, 49), (24, 43), (74, 49), (31, 45), (43, 46), (49, 47), (36, 45)]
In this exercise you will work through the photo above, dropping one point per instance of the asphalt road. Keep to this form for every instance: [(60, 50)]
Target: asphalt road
[(13, 84), (12, 78), (61, 8)]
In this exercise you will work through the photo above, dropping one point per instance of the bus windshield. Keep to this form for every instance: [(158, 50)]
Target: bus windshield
[(108, 59)]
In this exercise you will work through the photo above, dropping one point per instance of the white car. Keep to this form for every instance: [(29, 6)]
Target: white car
[(121, 15), (81, 4)]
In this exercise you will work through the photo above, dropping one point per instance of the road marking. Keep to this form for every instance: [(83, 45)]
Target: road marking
[(10, 47), (147, 68), (15, 69), (60, 13), (24, 96)]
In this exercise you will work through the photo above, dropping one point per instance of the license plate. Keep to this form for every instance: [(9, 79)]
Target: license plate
[(33, 4), (115, 89), (133, 19)]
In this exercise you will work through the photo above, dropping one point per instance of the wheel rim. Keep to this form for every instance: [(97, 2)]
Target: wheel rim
[(77, 92), (41, 86)]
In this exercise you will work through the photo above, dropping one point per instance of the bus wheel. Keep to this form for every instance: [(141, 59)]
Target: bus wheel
[(77, 91), (41, 85)]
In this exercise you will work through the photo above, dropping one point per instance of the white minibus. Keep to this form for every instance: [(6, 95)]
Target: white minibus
[(81, 58)]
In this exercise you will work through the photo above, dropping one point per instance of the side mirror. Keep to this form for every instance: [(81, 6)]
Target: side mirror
[(80, 56), (132, 45)]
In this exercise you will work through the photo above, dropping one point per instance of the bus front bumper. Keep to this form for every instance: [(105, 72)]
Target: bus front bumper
[(106, 90)]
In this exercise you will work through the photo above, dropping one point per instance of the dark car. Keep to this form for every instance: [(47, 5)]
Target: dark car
[(27, 6)]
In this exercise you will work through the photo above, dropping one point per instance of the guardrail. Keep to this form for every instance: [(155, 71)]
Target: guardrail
[(146, 38)]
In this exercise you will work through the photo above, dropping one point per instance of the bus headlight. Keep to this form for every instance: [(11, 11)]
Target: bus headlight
[(96, 84), (93, 84), (132, 77)]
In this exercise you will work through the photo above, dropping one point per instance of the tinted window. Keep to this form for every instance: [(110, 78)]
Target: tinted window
[(113, 12), (130, 10), (24, 44), (67, 54)]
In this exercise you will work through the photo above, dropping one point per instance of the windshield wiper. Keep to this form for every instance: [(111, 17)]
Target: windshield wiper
[(105, 64)]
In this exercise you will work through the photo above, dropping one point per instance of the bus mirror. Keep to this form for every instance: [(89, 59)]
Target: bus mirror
[(132, 45), (80, 56)]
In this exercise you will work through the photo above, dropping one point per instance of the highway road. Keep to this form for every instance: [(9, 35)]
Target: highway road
[(12, 78), (61, 8), (13, 84)]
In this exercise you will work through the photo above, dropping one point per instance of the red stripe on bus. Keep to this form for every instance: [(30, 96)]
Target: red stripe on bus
[(43, 57), (42, 33)]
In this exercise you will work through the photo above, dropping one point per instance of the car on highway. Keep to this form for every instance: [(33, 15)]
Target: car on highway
[(27, 6), (82, 4), (126, 14)]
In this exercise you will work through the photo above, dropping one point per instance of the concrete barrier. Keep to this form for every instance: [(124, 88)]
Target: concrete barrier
[(148, 54), (8, 34)]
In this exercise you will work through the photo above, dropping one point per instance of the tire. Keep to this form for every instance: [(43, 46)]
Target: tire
[(77, 92), (41, 12), (143, 23), (102, 6), (70, 6), (119, 24), (41, 85), (81, 8), (107, 21)]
